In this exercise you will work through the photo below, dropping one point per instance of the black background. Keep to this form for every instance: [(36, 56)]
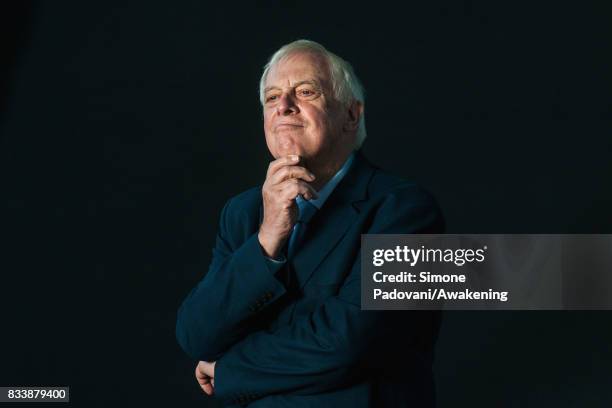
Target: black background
[(125, 126)]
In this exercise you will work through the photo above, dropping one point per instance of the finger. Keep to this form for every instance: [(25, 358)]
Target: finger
[(293, 187), (290, 160), (201, 376), (202, 379), (288, 172), (198, 373), (207, 368), (297, 187), (207, 387)]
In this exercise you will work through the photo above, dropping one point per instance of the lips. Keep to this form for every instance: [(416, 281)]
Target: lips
[(288, 125)]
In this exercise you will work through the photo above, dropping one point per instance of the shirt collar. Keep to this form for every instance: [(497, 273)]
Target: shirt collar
[(329, 187)]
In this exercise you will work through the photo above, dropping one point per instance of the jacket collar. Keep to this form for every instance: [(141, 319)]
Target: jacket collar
[(354, 187)]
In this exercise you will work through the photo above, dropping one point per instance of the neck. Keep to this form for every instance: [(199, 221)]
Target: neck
[(326, 169)]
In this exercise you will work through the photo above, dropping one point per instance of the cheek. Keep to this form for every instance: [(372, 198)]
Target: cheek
[(317, 119), (268, 134), (322, 126), (266, 120)]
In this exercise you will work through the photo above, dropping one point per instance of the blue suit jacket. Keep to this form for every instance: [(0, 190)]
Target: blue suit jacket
[(309, 343)]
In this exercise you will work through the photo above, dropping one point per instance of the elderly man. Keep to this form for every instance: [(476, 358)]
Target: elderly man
[(277, 321)]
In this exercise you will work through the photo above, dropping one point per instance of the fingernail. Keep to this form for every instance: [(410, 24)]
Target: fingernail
[(313, 176), (294, 157)]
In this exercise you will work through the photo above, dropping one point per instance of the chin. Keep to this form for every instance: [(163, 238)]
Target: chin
[(285, 149)]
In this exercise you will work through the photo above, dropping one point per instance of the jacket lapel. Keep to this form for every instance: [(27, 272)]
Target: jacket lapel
[(331, 222)]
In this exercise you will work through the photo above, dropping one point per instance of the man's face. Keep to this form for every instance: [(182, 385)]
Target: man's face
[(301, 116)]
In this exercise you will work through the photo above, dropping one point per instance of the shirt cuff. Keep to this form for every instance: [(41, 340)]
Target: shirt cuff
[(275, 264)]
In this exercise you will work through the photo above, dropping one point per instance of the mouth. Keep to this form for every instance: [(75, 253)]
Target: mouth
[(288, 126)]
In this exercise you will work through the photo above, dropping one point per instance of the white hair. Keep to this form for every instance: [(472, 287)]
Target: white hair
[(345, 84)]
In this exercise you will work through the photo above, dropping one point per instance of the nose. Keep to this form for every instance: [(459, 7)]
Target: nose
[(286, 106)]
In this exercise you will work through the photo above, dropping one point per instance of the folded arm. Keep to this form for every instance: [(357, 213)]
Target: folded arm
[(319, 352), (223, 308)]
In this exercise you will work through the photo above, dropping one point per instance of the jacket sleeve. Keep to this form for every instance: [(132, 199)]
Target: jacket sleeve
[(319, 352), (239, 285)]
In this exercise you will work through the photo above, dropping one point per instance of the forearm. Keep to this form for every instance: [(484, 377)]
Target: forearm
[(315, 354), (223, 307)]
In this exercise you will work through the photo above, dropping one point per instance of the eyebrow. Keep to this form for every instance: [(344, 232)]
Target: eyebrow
[(307, 81)]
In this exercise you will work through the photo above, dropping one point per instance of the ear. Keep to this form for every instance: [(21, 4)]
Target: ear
[(354, 112)]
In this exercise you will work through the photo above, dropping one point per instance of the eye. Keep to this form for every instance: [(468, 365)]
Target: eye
[(271, 98), (306, 93)]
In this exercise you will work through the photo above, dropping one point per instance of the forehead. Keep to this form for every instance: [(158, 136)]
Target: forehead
[(297, 67)]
